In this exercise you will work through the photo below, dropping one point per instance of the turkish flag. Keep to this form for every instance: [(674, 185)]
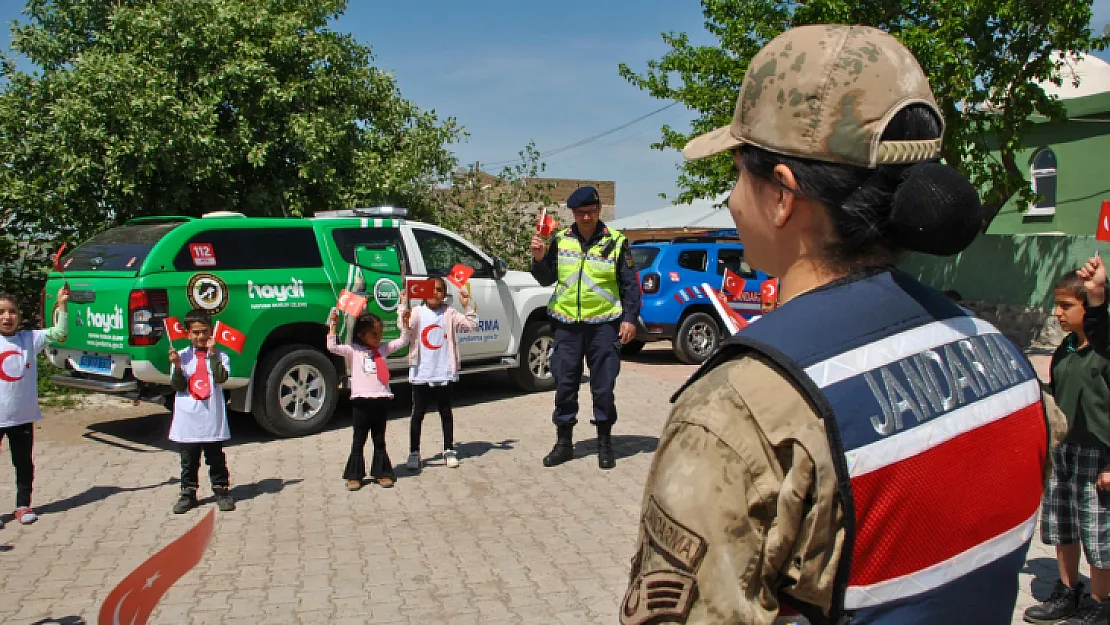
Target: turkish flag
[(769, 292), (738, 321), (1103, 231), (459, 275), (135, 597), (350, 303), (230, 337), (421, 289), (546, 225), (174, 329), (733, 284), (57, 259)]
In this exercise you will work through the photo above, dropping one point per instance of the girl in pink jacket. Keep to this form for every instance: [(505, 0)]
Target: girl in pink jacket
[(434, 365), (370, 394)]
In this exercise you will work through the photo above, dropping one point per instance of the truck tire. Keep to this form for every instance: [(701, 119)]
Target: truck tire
[(698, 336), (632, 348), (533, 372), (297, 390)]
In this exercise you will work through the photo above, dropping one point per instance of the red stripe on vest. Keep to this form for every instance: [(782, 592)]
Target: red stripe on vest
[(912, 514)]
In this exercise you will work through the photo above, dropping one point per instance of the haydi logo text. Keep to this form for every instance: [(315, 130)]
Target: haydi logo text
[(283, 292), (105, 321)]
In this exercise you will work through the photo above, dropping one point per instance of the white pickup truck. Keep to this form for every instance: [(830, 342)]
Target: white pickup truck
[(275, 280)]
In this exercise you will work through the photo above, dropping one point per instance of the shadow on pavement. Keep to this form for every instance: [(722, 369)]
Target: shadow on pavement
[(92, 495), (624, 446), (1045, 573), (246, 492), (65, 620)]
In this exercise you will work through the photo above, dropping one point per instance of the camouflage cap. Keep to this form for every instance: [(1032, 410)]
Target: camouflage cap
[(827, 92)]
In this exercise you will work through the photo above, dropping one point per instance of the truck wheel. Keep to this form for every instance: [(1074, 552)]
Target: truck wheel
[(632, 348), (533, 373), (697, 337), (297, 391)]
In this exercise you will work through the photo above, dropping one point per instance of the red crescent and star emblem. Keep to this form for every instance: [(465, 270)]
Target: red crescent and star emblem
[(4, 375), (426, 337)]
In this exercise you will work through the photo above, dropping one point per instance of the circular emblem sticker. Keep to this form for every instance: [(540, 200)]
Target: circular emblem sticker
[(387, 294), (207, 292)]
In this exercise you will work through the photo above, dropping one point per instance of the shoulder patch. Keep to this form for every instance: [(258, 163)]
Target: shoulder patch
[(658, 594), (673, 539)]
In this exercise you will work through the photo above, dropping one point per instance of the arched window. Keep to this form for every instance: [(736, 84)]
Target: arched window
[(1043, 174)]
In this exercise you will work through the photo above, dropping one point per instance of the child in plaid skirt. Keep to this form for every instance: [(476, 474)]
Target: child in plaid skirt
[(1075, 513)]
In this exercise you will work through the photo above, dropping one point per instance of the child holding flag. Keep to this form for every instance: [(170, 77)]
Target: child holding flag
[(370, 394), (434, 365), (19, 406), (200, 413)]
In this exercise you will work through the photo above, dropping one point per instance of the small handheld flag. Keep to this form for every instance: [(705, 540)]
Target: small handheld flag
[(546, 225), (175, 330), (351, 303), (459, 275), (230, 337)]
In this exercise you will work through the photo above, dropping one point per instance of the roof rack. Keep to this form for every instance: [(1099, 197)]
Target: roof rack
[(158, 219)]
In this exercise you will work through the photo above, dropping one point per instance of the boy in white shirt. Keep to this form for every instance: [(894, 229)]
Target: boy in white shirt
[(200, 412)]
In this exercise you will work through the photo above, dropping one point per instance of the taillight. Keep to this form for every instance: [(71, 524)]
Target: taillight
[(650, 283), (146, 308)]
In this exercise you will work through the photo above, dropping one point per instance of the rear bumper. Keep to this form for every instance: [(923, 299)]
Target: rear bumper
[(95, 385), (648, 332)]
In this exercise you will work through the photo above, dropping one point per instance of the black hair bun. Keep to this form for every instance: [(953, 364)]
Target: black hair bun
[(935, 211)]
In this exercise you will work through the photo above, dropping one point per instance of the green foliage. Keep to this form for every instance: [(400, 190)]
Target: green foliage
[(23, 268), (155, 107), (974, 52), (499, 213)]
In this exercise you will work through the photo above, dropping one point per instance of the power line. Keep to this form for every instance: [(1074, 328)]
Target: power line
[(590, 139)]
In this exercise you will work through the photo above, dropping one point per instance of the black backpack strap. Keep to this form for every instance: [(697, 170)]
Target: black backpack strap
[(739, 345)]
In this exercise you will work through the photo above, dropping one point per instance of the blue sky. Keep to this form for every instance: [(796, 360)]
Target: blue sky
[(513, 72)]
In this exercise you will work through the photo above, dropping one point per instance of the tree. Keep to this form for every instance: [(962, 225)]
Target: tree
[(145, 107), (983, 58), (499, 213)]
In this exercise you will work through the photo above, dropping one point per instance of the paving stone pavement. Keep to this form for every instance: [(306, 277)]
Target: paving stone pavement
[(499, 540)]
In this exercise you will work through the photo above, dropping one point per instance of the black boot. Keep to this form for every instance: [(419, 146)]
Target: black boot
[(1062, 603), (563, 449), (605, 457), (186, 502), (224, 501), (1091, 612)]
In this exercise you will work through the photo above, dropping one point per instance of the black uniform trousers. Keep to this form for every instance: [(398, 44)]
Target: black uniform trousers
[(21, 439), (600, 344), (213, 456)]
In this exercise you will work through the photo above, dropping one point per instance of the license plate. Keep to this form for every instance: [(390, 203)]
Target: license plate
[(95, 364)]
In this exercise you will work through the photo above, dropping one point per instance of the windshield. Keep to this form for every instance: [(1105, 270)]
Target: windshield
[(644, 256), (119, 249)]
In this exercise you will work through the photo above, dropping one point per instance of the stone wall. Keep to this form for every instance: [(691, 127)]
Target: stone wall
[(1031, 329)]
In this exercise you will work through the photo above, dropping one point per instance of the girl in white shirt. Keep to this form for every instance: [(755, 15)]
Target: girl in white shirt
[(19, 398)]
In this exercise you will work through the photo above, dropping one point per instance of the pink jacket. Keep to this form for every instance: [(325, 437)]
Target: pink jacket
[(367, 385), (455, 321)]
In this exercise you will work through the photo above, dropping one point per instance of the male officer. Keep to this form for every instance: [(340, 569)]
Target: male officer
[(595, 304)]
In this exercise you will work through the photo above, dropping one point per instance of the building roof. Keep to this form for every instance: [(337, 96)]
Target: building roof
[(697, 214), (1090, 97)]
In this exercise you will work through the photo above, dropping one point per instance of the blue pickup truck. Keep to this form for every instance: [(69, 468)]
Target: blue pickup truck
[(675, 306)]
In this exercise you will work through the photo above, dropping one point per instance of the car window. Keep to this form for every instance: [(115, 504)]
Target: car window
[(441, 253), (346, 239), (733, 259), (694, 260), (118, 249), (644, 256), (250, 248)]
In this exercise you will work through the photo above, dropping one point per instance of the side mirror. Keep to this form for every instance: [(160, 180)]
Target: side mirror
[(381, 259), (500, 268)]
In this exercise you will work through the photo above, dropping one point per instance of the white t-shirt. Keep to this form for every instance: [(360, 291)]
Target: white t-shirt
[(197, 420), (436, 365), (19, 374)]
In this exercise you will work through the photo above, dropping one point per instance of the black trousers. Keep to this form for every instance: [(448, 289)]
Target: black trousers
[(600, 344), (368, 416), (213, 457), (422, 396), (21, 439)]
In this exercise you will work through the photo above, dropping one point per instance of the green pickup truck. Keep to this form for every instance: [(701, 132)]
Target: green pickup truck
[(276, 280)]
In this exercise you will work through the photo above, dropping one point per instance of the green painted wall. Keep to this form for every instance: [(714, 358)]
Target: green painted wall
[(1082, 150), (1018, 270)]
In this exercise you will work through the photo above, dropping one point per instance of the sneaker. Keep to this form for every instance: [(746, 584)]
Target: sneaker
[(1091, 612), (1062, 603), (354, 484), (186, 502), (25, 515), (414, 461), (452, 458), (385, 482), (224, 500)]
